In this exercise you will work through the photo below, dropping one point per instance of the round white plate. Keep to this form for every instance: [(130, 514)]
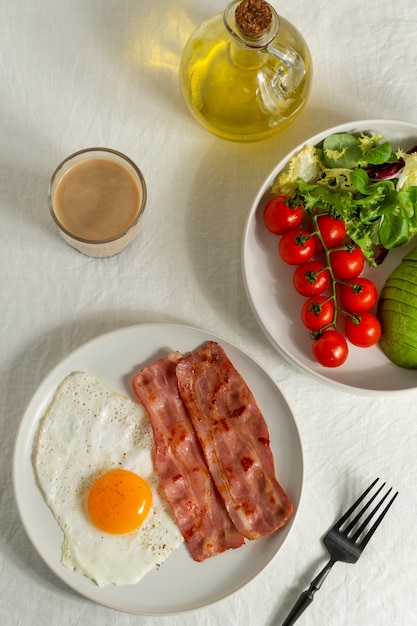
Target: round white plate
[(180, 584), (276, 304)]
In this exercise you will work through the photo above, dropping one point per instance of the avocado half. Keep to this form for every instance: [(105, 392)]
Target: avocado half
[(397, 313)]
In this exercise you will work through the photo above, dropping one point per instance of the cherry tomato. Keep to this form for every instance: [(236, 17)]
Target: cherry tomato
[(358, 295), (280, 217), (332, 232), (347, 263), (317, 312), (311, 279), (364, 331), (330, 349), (296, 246)]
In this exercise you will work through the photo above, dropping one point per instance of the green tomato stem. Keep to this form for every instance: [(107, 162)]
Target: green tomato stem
[(333, 280)]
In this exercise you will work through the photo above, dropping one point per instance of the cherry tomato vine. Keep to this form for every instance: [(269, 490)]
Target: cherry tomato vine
[(328, 272)]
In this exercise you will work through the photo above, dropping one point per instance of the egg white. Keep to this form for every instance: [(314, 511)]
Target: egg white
[(87, 430)]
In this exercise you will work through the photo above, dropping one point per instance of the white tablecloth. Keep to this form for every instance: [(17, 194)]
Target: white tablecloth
[(77, 74)]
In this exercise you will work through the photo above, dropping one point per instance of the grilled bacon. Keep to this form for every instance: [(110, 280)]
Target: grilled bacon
[(181, 466), (235, 439), (212, 450)]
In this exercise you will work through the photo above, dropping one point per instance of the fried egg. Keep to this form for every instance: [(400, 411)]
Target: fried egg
[(93, 460)]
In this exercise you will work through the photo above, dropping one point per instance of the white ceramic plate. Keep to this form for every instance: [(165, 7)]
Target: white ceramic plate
[(276, 304), (181, 584)]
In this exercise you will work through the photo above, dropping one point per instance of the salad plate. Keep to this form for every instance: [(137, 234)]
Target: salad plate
[(114, 358), (276, 304)]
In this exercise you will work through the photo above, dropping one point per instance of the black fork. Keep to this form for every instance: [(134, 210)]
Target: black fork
[(345, 541)]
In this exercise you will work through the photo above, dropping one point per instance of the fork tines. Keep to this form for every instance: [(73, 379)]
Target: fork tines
[(358, 530), (347, 539)]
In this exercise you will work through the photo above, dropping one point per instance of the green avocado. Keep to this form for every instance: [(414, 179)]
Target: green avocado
[(405, 271), (400, 305), (402, 327), (399, 351), (397, 313), (399, 284), (412, 255)]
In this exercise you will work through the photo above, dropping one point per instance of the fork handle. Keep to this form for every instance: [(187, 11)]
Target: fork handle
[(307, 597), (304, 600)]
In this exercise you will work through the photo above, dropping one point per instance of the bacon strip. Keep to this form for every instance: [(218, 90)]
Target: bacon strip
[(235, 440), (188, 485)]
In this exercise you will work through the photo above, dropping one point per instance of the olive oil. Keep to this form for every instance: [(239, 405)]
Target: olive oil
[(231, 88)]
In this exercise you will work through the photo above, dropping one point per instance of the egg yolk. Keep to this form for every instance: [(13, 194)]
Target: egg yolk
[(119, 501)]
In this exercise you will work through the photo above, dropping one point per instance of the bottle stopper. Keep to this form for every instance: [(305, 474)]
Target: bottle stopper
[(253, 18)]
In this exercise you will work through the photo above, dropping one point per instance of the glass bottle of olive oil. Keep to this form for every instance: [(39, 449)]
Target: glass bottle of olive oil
[(246, 74)]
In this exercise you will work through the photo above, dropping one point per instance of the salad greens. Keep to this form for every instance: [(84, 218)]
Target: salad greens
[(360, 179)]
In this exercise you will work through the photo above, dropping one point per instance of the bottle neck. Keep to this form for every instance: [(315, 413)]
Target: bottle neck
[(246, 58)]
